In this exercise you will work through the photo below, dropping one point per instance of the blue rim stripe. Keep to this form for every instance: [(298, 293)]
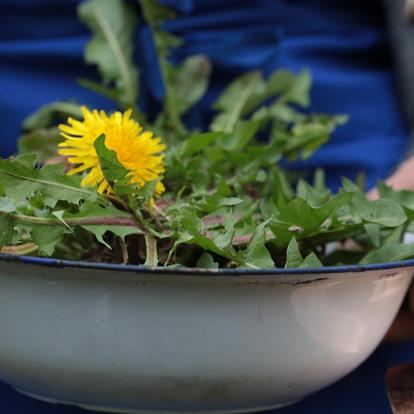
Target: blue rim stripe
[(56, 263)]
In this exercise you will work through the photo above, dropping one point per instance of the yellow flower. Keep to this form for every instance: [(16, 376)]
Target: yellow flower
[(138, 151)]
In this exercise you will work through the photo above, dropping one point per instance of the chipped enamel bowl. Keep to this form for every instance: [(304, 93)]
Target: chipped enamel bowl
[(125, 339)]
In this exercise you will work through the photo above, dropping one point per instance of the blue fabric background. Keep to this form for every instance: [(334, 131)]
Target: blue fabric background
[(343, 43)]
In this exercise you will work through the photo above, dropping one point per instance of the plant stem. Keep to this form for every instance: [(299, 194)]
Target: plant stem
[(81, 221), (151, 251), (20, 249), (170, 101)]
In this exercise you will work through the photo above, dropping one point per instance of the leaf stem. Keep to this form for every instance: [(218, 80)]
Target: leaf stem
[(118, 53), (170, 101), (151, 252), (20, 249), (76, 221)]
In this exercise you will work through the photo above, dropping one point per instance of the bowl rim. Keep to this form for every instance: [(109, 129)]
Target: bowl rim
[(140, 269)]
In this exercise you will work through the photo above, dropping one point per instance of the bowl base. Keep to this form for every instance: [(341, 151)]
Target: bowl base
[(138, 411)]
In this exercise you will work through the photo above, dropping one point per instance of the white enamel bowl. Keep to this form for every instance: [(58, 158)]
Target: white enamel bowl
[(129, 340)]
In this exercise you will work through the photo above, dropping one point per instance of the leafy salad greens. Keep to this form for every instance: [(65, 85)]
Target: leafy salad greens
[(215, 198)]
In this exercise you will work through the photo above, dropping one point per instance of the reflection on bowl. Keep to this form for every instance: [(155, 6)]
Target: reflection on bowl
[(130, 340)]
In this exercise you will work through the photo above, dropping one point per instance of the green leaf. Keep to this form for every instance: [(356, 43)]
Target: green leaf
[(311, 261), (307, 138), (293, 256), (155, 14), (244, 132), (256, 254), (112, 23), (47, 115), (47, 237), (108, 92), (240, 97), (7, 205), (206, 261), (349, 186), (385, 212), (21, 181), (293, 89), (373, 231), (403, 197), (224, 239), (300, 218), (389, 253), (190, 81), (210, 246), (283, 112), (199, 141), (313, 196), (42, 142), (113, 217), (211, 203), (112, 169), (395, 236), (6, 230)]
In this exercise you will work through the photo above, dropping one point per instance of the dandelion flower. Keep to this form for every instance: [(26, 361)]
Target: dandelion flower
[(138, 151)]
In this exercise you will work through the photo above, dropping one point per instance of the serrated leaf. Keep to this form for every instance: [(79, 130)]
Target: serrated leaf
[(112, 23), (349, 186), (6, 230), (395, 236), (209, 245), (47, 237), (49, 114), (403, 197), (240, 97), (7, 205), (107, 91), (293, 256), (300, 218), (42, 142), (224, 239), (199, 141), (21, 181), (306, 139), (121, 231), (293, 89), (244, 132), (313, 196), (373, 231), (256, 254), (385, 212), (389, 253), (112, 169), (190, 81), (311, 261), (113, 216), (206, 261)]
